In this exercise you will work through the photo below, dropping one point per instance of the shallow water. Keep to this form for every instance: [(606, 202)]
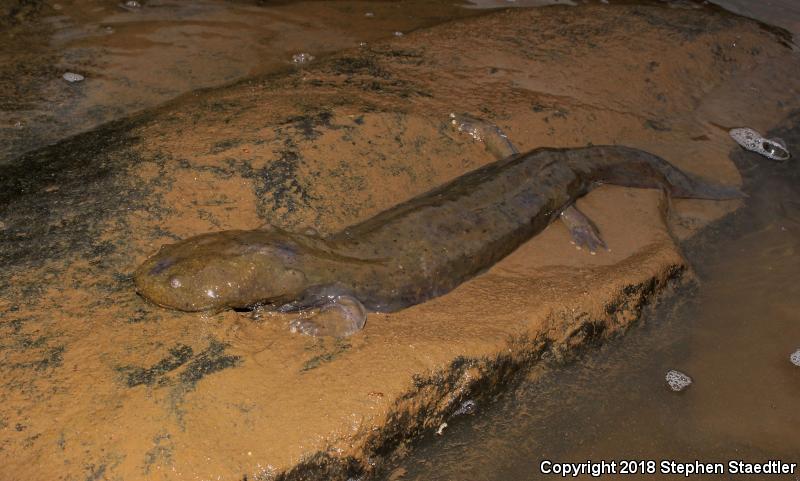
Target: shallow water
[(732, 332), (782, 13), (135, 58)]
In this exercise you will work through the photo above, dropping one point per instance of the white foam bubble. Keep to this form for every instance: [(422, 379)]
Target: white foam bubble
[(73, 77), (467, 407), (751, 140), (302, 57), (795, 358), (677, 380)]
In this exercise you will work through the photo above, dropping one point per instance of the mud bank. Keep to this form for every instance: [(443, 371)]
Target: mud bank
[(99, 384)]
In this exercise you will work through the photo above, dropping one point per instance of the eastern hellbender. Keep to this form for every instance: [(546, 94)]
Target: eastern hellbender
[(413, 252)]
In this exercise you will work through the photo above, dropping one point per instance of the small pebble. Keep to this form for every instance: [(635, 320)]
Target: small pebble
[(795, 358), (398, 34), (132, 4), (677, 380), (300, 58), (73, 77), (369, 14), (362, 44)]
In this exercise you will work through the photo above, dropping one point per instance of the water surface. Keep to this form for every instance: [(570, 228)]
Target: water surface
[(137, 58)]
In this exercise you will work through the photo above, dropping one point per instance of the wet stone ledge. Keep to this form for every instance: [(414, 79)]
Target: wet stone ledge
[(476, 382)]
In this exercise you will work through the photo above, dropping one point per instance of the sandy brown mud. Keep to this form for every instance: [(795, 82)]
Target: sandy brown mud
[(99, 384)]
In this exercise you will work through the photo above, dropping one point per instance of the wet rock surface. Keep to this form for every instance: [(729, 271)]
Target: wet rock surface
[(99, 383)]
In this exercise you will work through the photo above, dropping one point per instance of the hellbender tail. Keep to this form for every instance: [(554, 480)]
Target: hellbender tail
[(631, 167)]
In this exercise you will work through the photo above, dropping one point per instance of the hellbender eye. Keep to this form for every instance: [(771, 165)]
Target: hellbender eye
[(175, 282), (161, 265)]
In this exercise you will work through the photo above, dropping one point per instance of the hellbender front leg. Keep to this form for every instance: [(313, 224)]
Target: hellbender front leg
[(328, 316), (493, 138), (583, 231)]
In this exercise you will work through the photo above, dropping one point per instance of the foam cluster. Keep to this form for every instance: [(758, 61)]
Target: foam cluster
[(678, 381), (751, 140)]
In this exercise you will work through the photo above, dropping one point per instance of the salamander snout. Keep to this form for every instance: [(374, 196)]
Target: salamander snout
[(219, 270)]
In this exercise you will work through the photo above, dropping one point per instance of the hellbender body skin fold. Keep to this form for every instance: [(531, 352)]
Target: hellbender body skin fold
[(413, 252)]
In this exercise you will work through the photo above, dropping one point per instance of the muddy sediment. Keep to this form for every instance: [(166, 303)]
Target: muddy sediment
[(100, 384)]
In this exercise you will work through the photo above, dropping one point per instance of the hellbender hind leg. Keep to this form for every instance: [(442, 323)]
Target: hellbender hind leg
[(334, 316), (584, 232)]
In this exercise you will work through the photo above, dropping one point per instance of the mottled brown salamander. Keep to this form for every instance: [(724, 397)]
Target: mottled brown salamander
[(413, 252)]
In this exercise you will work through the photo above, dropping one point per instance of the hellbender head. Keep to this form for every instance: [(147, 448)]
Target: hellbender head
[(223, 269)]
